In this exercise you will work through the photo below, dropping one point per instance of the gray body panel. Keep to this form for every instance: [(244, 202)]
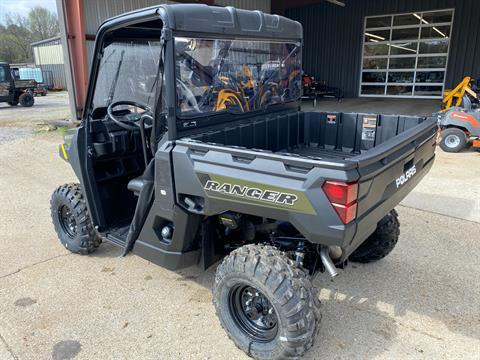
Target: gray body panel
[(376, 171), (458, 117), (261, 151)]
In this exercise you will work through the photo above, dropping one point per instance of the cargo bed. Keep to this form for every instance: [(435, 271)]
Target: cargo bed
[(387, 155), (332, 136), (316, 152)]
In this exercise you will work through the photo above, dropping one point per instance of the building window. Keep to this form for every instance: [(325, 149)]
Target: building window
[(405, 55)]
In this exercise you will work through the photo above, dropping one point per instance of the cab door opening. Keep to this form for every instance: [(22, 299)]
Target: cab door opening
[(122, 116)]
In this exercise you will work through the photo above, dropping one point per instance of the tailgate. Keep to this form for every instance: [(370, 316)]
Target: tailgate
[(389, 171)]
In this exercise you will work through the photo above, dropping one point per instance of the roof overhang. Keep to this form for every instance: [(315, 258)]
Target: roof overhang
[(46, 41)]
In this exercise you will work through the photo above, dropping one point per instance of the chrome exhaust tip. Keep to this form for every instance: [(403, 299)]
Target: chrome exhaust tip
[(327, 262)]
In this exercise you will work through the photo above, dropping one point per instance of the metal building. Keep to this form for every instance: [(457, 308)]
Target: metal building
[(387, 48), (48, 56), (97, 11), (80, 19), (366, 48)]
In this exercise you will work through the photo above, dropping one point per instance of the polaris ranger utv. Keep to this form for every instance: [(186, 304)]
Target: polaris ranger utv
[(193, 148)]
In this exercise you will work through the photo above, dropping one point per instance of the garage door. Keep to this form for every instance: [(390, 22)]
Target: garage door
[(406, 55)]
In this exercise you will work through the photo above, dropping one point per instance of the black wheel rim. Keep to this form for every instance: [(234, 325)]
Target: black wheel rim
[(253, 313), (67, 221)]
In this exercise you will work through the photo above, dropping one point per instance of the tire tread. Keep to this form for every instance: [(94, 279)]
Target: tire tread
[(291, 287), (89, 239), (381, 242)]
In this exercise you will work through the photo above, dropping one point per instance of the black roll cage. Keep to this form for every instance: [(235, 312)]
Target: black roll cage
[(153, 15)]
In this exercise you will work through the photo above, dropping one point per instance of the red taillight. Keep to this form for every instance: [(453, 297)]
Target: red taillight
[(343, 197), (340, 192), (346, 212)]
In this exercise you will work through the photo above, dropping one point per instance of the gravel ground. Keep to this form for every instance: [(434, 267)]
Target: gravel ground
[(52, 107), (419, 303), (12, 133)]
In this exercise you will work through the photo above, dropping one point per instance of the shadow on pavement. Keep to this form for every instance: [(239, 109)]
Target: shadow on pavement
[(364, 308)]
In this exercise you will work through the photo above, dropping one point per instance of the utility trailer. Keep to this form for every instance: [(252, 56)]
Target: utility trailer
[(193, 149)]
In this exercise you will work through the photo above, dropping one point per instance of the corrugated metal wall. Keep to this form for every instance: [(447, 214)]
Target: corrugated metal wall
[(97, 11), (51, 54), (262, 5), (49, 57), (54, 76), (333, 37)]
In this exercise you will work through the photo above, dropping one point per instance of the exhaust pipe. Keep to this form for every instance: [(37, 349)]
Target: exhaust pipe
[(327, 262)]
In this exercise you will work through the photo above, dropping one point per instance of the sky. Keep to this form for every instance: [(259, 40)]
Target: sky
[(23, 6)]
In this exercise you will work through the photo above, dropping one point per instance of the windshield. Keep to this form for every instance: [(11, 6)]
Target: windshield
[(128, 71), (235, 76)]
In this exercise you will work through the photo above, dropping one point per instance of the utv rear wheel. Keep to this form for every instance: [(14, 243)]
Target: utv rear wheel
[(266, 304), (453, 140), (26, 99), (381, 242), (72, 221), (13, 103)]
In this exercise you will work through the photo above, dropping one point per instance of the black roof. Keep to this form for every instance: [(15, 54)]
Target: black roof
[(204, 19)]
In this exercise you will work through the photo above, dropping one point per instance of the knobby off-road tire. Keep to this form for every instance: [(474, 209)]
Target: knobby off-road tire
[(280, 285), (26, 99), (13, 103), (381, 242), (72, 221)]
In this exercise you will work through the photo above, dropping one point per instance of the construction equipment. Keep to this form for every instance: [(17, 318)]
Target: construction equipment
[(459, 121), (458, 128), (456, 96), (313, 89)]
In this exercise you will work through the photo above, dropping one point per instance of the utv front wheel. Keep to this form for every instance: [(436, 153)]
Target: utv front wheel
[(381, 242), (71, 220), (13, 103), (266, 304)]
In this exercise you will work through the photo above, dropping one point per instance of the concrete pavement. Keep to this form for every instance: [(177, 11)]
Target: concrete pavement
[(451, 188), (420, 302)]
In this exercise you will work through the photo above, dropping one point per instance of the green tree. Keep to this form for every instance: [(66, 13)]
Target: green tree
[(15, 39), (17, 33), (43, 24)]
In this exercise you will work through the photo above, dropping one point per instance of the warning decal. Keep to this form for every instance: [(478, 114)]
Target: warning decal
[(331, 119), (369, 127)]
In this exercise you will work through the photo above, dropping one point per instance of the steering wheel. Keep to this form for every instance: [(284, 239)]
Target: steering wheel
[(189, 96), (131, 121)]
